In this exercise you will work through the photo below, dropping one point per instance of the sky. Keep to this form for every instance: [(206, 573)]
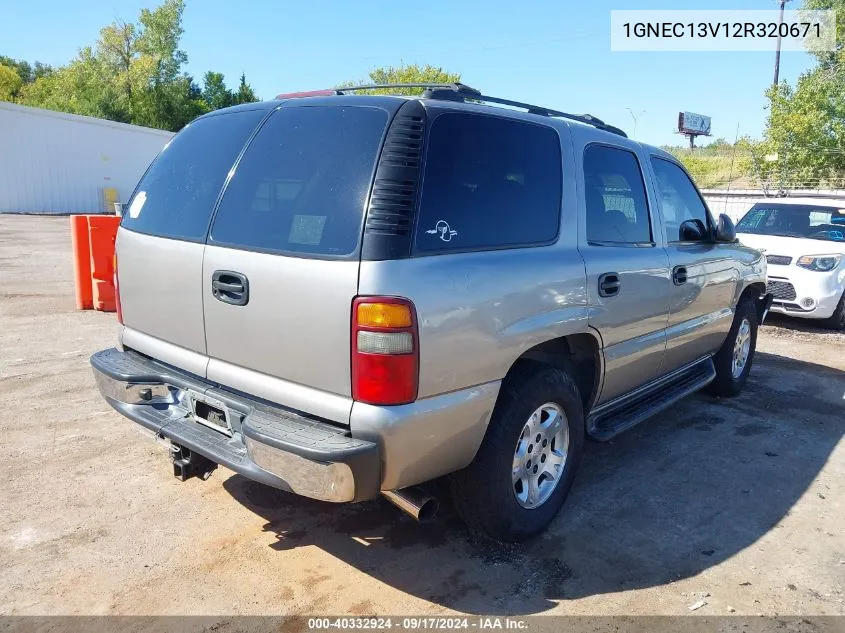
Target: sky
[(553, 53)]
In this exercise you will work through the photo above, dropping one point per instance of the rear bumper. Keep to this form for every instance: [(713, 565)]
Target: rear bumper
[(277, 447)]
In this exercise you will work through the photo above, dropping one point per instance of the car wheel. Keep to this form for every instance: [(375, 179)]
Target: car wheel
[(837, 320), (527, 461), (733, 360)]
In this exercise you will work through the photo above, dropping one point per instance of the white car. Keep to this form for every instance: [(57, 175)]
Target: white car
[(804, 243)]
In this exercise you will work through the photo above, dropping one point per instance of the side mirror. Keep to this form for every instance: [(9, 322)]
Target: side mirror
[(725, 229), (692, 231)]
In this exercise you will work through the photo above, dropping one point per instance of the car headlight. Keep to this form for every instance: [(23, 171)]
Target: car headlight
[(821, 263)]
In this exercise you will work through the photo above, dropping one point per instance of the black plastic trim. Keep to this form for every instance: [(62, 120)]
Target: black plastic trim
[(628, 410), (394, 197)]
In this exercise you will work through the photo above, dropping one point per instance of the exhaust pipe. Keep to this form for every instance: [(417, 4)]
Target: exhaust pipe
[(415, 502)]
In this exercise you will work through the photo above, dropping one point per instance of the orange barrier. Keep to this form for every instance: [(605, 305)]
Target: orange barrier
[(81, 261), (93, 238)]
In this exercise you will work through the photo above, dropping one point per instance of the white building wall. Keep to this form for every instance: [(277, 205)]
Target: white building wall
[(52, 162)]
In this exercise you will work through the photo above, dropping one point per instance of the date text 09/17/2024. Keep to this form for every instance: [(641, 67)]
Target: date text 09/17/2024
[(417, 623)]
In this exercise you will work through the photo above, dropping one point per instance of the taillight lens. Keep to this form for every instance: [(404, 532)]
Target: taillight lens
[(117, 294), (385, 351)]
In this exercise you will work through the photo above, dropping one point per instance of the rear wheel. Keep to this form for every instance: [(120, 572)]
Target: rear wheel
[(527, 461), (837, 320), (733, 360)]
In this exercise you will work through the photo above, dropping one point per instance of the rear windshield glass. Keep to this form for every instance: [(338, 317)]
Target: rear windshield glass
[(176, 196), (302, 184), (489, 183)]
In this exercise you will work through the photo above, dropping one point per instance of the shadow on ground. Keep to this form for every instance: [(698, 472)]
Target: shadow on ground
[(808, 326), (667, 500)]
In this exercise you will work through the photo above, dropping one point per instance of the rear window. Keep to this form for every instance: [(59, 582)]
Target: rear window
[(489, 182), (302, 184), (176, 196)]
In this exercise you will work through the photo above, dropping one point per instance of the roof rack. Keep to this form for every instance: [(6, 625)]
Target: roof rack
[(462, 92)]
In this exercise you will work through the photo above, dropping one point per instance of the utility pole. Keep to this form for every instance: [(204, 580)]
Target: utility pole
[(777, 50)]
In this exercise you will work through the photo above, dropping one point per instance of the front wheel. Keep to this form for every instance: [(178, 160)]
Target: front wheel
[(527, 461), (733, 360)]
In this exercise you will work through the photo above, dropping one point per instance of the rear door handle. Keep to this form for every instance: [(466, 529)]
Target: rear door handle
[(679, 275), (609, 284), (230, 287)]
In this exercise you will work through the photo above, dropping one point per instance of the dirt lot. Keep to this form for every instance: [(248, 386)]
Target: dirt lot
[(736, 502)]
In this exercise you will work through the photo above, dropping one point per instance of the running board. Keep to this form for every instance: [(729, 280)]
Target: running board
[(621, 414)]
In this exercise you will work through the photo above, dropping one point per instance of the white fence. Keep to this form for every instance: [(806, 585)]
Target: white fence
[(52, 162)]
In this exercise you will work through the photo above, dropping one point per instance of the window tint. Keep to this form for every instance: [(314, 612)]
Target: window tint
[(489, 182), (617, 210), (176, 196), (679, 199), (302, 183)]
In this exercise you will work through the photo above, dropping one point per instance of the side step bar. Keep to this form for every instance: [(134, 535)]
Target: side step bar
[(628, 410)]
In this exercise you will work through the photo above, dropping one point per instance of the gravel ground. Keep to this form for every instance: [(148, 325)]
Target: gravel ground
[(737, 503)]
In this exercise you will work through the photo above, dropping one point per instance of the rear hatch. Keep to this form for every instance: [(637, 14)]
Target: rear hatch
[(266, 296), (162, 237)]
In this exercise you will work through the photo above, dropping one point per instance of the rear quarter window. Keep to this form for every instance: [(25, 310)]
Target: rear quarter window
[(176, 196), (302, 183), (489, 182)]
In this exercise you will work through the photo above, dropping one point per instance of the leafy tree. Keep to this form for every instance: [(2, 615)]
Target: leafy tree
[(214, 91), (245, 93), (26, 71), (407, 74), (134, 73), (804, 141), (10, 83)]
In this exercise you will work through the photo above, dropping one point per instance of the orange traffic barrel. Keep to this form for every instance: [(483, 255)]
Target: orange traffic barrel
[(81, 262), (102, 232)]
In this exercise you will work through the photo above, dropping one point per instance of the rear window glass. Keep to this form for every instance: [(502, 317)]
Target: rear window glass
[(617, 211), (302, 184), (489, 182), (176, 196)]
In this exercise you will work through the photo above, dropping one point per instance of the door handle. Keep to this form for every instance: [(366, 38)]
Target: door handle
[(679, 275), (230, 287), (609, 284)]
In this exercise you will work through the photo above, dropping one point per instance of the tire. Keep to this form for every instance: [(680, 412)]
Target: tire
[(731, 377), (837, 320), (485, 493)]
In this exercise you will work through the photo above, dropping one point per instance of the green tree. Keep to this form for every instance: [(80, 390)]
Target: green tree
[(245, 93), (26, 71), (214, 91), (407, 74), (10, 83), (804, 139)]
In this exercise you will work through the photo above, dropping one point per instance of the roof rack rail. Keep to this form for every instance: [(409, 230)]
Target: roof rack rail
[(455, 87), (461, 92), (589, 119)]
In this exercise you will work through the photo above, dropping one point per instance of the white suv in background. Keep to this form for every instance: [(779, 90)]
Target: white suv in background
[(804, 243)]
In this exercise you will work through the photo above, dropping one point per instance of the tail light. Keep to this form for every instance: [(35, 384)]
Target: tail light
[(385, 351), (117, 294)]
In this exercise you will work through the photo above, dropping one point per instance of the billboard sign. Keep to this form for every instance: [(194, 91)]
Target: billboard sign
[(691, 123)]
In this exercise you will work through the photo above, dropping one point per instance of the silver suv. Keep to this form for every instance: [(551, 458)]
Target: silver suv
[(348, 295)]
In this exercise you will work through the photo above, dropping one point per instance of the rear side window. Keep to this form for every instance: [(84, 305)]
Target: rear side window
[(176, 196), (489, 182), (617, 210), (302, 183)]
